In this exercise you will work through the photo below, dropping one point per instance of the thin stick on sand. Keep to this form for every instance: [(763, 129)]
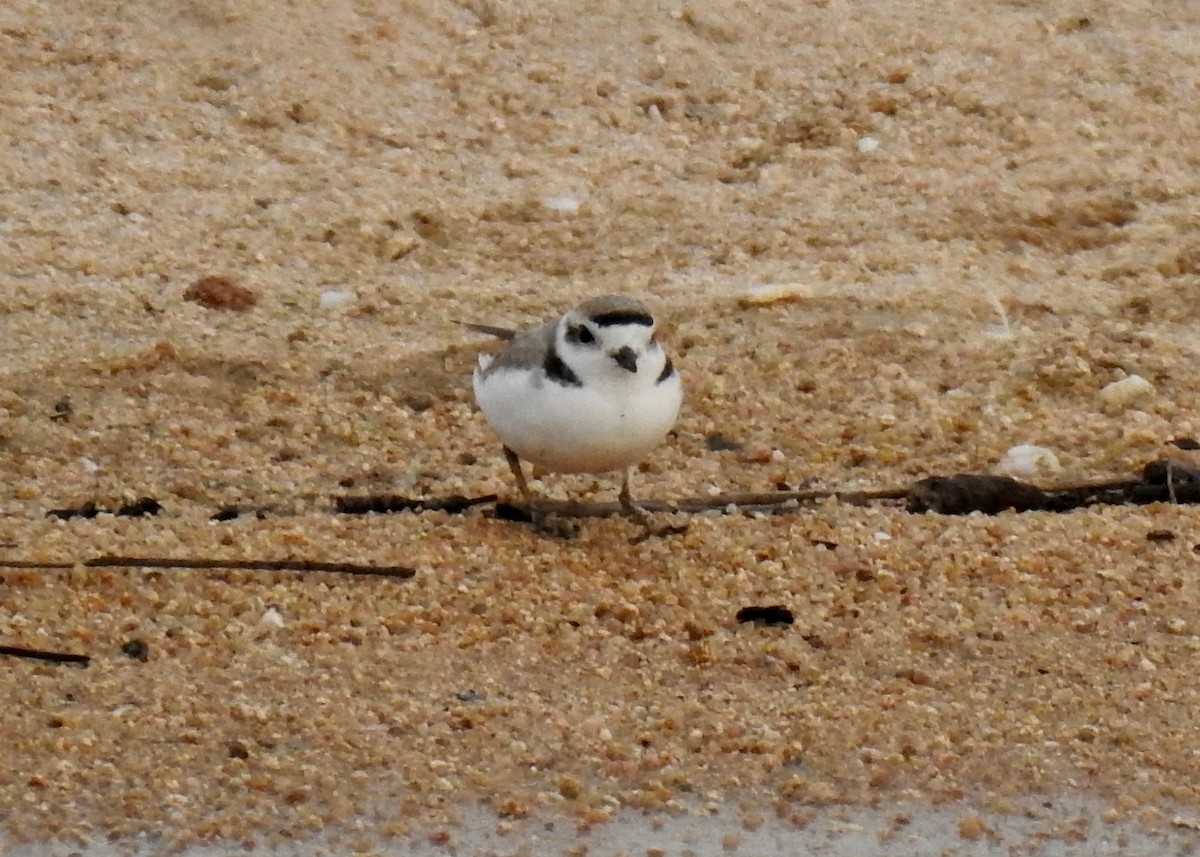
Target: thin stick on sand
[(45, 655), (299, 565)]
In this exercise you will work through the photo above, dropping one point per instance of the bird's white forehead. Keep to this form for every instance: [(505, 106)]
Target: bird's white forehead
[(636, 336)]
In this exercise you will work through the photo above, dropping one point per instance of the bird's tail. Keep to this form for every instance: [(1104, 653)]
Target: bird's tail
[(498, 332)]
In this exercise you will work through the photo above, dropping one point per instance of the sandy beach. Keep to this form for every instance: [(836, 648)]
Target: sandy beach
[(885, 241)]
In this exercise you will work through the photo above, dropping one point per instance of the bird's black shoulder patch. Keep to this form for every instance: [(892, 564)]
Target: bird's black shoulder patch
[(667, 372), (612, 319), (558, 371)]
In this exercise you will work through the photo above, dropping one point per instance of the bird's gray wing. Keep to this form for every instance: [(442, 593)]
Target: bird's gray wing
[(527, 350)]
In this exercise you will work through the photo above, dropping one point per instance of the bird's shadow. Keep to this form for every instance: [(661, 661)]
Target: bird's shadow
[(562, 520)]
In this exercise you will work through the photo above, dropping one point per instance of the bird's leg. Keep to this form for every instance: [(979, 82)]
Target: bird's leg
[(628, 506), (514, 464), (541, 521)]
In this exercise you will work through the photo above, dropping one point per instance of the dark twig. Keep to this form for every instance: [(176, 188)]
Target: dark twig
[(769, 501), (43, 655), (747, 502), (454, 504), (397, 571)]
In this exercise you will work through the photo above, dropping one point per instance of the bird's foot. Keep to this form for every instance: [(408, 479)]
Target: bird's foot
[(555, 526), (541, 519), (641, 517)]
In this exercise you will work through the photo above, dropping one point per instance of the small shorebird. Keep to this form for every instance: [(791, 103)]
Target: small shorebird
[(590, 391)]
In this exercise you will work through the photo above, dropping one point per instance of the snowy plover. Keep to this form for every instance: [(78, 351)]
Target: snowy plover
[(588, 392)]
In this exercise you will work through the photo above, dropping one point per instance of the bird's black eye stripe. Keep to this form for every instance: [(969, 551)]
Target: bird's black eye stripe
[(611, 319), (580, 333)]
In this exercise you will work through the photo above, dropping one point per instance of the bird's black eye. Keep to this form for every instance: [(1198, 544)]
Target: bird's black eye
[(581, 333)]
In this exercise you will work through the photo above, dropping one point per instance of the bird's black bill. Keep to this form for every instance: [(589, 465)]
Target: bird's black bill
[(625, 358)]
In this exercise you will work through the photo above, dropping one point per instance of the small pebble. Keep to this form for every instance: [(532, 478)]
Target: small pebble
[(756, 453), (220, 292), (972, 827), (1125, 393), (718, 442), (138, 650), (62, 411)]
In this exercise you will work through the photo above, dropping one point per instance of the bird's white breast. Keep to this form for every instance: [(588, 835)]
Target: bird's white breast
[(592, 428)]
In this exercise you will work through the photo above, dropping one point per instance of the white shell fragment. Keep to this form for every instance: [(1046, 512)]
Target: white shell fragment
[(561, 204), (335, 299), (271, 618), (1028, 460)]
